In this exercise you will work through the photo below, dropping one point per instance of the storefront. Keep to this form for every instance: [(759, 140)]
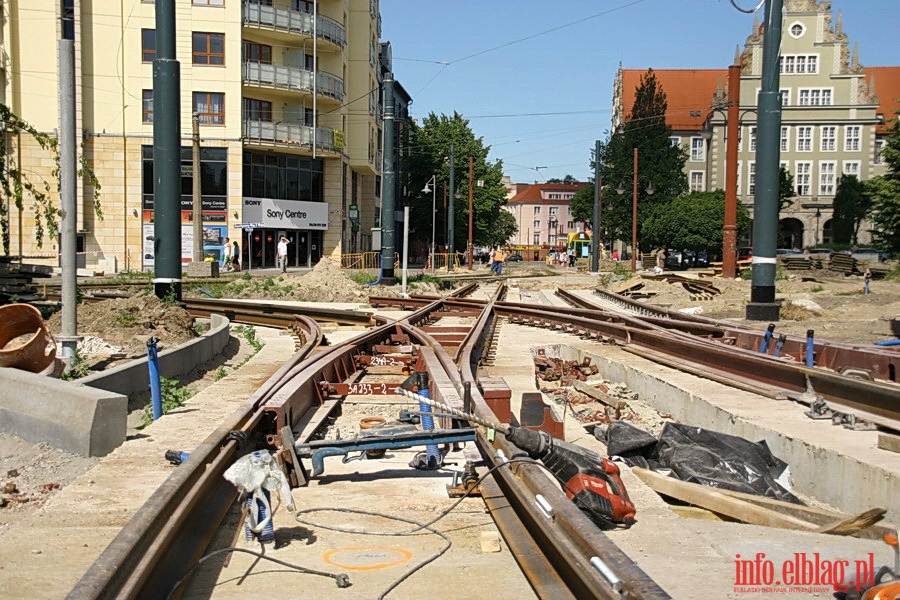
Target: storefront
[(302, 223)]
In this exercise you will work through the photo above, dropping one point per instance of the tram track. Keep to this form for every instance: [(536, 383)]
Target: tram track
[(559, 555)]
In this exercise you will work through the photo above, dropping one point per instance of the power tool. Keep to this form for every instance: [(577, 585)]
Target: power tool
[(589, 480)]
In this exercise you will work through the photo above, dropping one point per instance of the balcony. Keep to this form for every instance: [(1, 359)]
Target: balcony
[(291, 134), (293, 79), (294, 21)]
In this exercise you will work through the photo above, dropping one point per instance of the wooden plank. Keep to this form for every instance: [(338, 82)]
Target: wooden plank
[(854, 524), (712, 499), (588, 389), (889, 441)]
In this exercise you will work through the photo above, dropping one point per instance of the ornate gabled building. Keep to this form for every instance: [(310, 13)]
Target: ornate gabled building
[(289, 99), (834, 116)]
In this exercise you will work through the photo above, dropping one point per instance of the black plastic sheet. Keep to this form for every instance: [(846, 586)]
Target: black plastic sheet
[(702, 456)]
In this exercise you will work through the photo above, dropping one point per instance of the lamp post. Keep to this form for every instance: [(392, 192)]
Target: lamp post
[(634, 207), (471, 174), (431, 186)]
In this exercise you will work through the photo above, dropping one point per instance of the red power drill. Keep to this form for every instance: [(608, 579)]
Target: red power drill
[(590, 480)]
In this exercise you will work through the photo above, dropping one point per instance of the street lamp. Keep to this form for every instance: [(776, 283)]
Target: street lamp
[(433, 189), (818, 216), (634, 207)]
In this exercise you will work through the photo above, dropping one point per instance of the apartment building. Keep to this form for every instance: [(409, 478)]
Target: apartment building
[(543, 214), (288, 97), (834, 116)]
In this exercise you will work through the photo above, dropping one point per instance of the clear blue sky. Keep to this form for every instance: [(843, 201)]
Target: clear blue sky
[(505, 64)]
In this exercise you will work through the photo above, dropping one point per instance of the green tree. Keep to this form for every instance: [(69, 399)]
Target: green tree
[(785, 188), (692, 222), (582, 204), (884, 193), (430, 141), (568, 180), (851, 205), (660, 163), (16, 183)]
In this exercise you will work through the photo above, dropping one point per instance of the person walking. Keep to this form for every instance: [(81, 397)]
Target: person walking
[(500, 259), (494, 252), (660, 261), (235, 257), (226, 255), (282, 254), (867, 277)]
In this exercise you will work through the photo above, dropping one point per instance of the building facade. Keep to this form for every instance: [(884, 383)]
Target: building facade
[(834, 116), (543, 213), (288, 97)]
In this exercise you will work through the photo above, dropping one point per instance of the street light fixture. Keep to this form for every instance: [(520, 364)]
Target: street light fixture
[(634, 207), (431, 186), (818, 216)]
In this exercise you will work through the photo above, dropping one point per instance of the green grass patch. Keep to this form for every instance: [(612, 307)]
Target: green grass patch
[(362, 278), (173, 396)]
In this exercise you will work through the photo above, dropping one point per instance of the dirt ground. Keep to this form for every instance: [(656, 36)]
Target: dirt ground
[(831, 304)]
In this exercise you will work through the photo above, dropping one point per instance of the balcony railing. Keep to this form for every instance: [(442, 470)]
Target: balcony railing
[(293, 78), (292, 134), (294, 21)]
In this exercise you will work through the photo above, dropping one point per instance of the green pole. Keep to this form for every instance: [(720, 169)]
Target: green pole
[(166, 157), (595, 237), (762, 305)]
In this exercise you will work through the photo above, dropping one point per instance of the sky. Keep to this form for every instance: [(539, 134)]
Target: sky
[(535, 79)]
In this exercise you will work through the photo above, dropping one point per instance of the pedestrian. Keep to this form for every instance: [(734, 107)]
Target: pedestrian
[(226, 255), (571, 257), (867, 277), (235, 257), (660, 261), (282, 254), (500, 259), (494, 262)]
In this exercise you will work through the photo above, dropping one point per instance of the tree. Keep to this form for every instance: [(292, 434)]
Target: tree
[(568, 180), (430, 141), (659, 161), (582, 204), (786, 191), (691, 222), (851, 205), (884, 193), (16, 183)]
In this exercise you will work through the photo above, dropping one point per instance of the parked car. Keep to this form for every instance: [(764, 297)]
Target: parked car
[(514, 258), (745, 253), (788, 252), (869, 254), (826, 251)]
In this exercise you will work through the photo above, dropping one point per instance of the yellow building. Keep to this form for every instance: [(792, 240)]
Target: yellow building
[(287, 94)]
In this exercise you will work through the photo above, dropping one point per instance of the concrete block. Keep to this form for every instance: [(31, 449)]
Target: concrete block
[(67, 415), (201, 269)]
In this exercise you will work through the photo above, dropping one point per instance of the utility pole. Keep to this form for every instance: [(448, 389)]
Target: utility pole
[(762, 305), (451, 254), (166, 157), (595, 238), (729, 230), (388, 191), (471, 174), (68, 185), (197, 197)]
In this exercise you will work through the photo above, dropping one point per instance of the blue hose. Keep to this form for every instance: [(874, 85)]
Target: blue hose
[(888, 343), (377, 281), (432, 452), (155, 387)]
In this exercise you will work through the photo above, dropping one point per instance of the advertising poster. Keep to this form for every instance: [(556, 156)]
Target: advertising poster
[(214, 233)]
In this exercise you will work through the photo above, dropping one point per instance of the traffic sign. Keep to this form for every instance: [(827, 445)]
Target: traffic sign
[(248, 226)]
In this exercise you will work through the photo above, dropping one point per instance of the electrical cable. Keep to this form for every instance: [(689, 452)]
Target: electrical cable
[(744, 10)]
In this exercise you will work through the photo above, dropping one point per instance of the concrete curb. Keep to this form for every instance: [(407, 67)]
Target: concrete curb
[(89, 417)]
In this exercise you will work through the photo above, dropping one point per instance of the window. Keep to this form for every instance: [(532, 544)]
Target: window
[(257, 110), (209, 48), (799, 64), (815, 97), (554, 210), (698, 149), (536, 224), (697, 181), (785, 138), (147, 106), (828, 141), (536, 240), (785, 97), (826, 178), (537, 210), (802, 178), (283, 177), (797, 30), (570, 225), (804, 138), (213, 178), (851, 167), (302, 6), (675, 141), (878, 159), (752, 135), (210, 107), (751, 178), (256, 53), (852, 134), (148, 45), (209, 2)]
